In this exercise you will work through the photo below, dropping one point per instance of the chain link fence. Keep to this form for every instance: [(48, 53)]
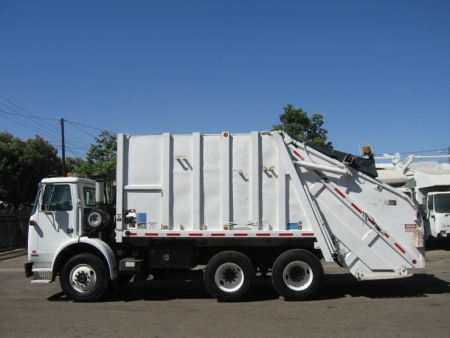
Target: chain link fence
[(14, 229)]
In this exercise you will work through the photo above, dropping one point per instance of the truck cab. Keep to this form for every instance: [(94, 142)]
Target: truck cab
[(437, 214), (67, 219), (58, 214)]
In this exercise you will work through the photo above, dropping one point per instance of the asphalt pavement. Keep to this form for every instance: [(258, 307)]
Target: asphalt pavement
[(417, 306)]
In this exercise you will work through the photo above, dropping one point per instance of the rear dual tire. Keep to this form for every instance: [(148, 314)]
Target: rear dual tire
[(297, 275), (229, 276)]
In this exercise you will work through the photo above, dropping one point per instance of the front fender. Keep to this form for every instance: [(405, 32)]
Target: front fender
[(99, 245)]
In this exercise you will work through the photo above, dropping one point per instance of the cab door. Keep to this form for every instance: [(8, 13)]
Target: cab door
[(57, 216), (431, 216)]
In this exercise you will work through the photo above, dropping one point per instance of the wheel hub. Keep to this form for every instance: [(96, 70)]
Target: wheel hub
[(83, 278), (230, 275), (296, 274)]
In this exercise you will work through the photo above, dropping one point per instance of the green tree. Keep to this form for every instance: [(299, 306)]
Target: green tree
[(72, 163), (101, 158), (297, 123), (23, 164)]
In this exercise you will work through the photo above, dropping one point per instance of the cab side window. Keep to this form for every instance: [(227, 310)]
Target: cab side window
[(57, 198), (89, 197)]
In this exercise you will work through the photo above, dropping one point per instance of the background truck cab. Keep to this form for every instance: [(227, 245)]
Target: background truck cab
[(437, 214)]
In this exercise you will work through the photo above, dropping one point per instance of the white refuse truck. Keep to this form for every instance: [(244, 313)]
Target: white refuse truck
[(432, 195), (222, 208)]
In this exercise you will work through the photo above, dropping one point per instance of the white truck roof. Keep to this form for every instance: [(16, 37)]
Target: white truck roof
[(67, 180), (431, 178)]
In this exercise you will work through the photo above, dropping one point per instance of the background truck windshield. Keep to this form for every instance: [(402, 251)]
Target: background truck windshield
[(442, 203)]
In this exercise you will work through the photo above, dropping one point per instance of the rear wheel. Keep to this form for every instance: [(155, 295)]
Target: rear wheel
[(229, 276), (84, 278), (297, 275)]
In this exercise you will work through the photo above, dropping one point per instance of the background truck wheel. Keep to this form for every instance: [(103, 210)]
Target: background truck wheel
[(84, 278), (229, 276), (297, 275)]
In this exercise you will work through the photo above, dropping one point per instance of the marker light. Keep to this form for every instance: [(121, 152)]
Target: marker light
[(367, 150)]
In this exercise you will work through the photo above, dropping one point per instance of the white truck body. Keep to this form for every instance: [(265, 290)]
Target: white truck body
[(237, 203)]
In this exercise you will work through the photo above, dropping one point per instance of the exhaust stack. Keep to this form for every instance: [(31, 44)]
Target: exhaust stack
[(99, 188)]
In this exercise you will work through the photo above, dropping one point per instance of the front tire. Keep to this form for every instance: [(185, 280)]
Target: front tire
[(297, 275), (229, 276), (84, 278)]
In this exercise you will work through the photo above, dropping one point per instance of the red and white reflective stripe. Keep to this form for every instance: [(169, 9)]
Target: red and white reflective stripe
[(152, 234), (223, 234), (356, 208), (403, 251), (410, 226), (340, 192), (352, 204), (400, 248), (308, 234), (298, 155)]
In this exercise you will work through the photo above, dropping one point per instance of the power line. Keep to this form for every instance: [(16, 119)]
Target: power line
[(48, 130), (23, 123), (17, 116), (39, 130), (28, 116), (73, 124), (112, 132)]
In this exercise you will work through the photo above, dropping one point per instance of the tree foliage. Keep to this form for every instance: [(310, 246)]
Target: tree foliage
[(308, 129), (101, 157), (72, 163), (23, 164)]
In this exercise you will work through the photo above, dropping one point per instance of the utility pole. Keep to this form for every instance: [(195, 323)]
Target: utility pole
[(63, 150)]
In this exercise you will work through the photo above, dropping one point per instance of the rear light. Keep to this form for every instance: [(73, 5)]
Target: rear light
[(31, 223)]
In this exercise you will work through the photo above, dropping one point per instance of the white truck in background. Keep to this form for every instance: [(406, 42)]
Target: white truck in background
[(427, 183), (220, 208), (431, 191)]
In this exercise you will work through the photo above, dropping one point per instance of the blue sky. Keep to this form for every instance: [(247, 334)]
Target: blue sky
[(377, 71)]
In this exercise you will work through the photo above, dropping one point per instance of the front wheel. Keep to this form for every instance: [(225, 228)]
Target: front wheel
[(297, 275), (84, 278), (229, 276)]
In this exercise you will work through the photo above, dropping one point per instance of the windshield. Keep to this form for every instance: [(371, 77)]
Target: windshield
[(442, 203), (57, 197)]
